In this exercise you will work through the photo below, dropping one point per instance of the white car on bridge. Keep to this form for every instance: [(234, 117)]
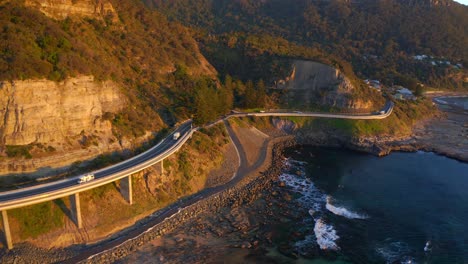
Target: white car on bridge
[(86, 178)]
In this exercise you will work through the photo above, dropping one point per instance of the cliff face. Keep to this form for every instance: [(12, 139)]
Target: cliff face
[(61, 122), (42, 111), (60, 9), (313, 83)]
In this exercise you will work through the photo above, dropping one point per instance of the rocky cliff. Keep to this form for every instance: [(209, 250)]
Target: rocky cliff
[(60, 9), (49, 118), (312, 83), (68, 118), (42, 111)]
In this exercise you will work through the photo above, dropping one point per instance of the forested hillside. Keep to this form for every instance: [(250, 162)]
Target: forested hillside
[(156, 62), (251, 44), (379, 38)]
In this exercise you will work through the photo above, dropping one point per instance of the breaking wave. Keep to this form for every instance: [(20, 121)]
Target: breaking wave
[(310, 195), (343, 211), (314, 199), (326, 235)]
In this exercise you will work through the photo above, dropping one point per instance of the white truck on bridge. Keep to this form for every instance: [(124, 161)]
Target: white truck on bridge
[(86, 178), (176, 136)]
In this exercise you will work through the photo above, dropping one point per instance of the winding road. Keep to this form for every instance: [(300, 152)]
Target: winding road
[(54, 190), (137, 230), (168, 146)]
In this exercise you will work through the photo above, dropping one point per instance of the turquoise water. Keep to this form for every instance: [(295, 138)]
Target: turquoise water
[(382, 210)]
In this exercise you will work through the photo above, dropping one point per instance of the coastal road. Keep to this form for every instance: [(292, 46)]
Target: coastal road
[(382, 114), (58, 189), (137, 230), (62, 188), (168, 146), (243, 170), (50, 191)]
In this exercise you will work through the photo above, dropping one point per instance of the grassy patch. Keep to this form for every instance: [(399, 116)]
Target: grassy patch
[(38, 219), (100, 192), (400, 122), (342, 125), (298, 120), (253, 110)]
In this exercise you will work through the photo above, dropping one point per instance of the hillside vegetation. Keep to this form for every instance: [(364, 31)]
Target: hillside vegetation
[(140, 50), (157, 61), (379, 38)]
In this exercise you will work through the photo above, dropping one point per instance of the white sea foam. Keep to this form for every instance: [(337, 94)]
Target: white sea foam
[(326, 235), (314, 199), (311, 196), (342, 211), (298, 162)]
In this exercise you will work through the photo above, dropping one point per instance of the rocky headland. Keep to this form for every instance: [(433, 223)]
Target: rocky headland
[(445, 132), (313, 84)]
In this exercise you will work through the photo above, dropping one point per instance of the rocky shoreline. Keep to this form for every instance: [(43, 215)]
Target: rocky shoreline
[(244, 214), (246, 191), (441, 135), (253, 231)]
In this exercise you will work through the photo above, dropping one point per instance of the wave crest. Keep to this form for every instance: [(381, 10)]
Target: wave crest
[(342, 211), (326, 235)]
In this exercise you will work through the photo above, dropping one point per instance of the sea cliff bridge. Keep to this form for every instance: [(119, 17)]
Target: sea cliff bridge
[(71, 187)]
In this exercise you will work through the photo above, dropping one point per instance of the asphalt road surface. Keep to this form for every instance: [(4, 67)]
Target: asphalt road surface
[(106, 174)]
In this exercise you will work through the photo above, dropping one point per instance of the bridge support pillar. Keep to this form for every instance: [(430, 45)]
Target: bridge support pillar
[(162, 166), (126, 189), (76, 209), (6, 230)]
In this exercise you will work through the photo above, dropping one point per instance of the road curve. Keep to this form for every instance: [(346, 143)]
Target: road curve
[(50, 191), (173, 209), (168, 146)]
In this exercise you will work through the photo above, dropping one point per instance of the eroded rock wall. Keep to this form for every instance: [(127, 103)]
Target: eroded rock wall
[(313, 83), (61, 9), (69, 116), (42, 111)]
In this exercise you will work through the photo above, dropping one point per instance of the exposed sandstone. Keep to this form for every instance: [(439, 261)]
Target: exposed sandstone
[(316, 83), (62, 115), (42, 111), (61, 9)]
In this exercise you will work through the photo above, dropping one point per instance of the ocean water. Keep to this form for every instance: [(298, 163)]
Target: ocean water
[(402, 208), (460, 102)]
